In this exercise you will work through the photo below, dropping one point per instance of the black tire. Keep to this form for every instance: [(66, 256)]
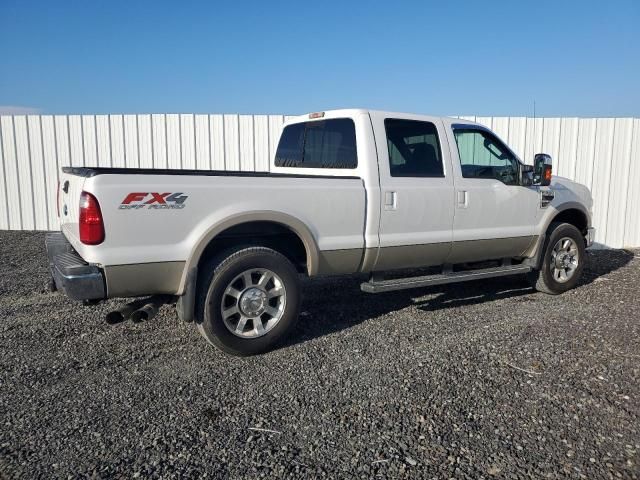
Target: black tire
[(543, 279), (217, 275)]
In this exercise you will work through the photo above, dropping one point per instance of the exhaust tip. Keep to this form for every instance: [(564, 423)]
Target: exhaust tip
[(123, 313), (138, 310), (139, 316), (114, 317)]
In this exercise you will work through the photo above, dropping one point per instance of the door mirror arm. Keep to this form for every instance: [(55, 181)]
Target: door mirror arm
[(526, 175)]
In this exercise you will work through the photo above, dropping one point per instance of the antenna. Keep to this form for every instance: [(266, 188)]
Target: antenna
[(534, 127)]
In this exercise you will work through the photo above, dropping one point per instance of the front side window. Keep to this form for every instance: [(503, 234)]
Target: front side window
[(321, 144), (414, 148), (483, 156)]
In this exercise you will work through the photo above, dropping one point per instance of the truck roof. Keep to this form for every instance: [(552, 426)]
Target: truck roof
[(357, 111)]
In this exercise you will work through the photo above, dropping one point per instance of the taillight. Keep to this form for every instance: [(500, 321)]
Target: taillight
[(91, 224)]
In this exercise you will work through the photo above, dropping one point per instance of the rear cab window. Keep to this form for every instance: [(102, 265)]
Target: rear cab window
[(327, 143)]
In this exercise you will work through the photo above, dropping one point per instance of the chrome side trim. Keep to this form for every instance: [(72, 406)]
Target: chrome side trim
[(546, 196)]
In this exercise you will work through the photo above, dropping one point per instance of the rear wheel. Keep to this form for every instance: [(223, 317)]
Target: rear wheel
[(563, 260), (249, 299)]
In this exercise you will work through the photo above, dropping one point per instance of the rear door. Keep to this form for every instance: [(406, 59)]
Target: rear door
[(416, 211)]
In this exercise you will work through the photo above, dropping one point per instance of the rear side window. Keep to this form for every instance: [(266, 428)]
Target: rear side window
[(414, 148), (323, 144), (289, 152)]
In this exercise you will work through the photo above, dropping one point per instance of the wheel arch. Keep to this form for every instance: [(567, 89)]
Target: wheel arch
[(278, 219), (188, 285), (573, 213)]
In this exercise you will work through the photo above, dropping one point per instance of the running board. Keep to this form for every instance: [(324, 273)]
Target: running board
[(380, 286)]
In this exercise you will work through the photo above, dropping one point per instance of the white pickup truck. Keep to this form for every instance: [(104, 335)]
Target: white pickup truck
[(349, 191)]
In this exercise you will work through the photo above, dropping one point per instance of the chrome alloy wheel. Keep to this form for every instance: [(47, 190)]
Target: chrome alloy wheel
[(253, 303), (564, 259)]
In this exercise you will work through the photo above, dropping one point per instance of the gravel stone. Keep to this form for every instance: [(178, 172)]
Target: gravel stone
[(411, 384)]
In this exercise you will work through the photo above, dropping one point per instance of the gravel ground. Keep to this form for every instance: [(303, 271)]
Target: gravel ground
[(481, 380)]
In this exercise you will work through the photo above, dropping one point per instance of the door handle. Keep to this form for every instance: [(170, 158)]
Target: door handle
[(463, 198), (390, 200)]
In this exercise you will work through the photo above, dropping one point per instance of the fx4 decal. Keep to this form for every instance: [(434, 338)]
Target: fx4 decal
[(153, 201)]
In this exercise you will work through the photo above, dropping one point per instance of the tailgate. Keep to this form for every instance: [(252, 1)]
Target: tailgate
[(70, 188)]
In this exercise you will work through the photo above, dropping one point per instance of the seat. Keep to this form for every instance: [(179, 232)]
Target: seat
[(424, 161)]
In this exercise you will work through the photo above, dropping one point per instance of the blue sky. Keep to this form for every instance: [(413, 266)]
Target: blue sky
[(463, 57)]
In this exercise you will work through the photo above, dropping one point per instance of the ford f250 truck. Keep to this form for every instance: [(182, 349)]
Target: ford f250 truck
[(349, 191)]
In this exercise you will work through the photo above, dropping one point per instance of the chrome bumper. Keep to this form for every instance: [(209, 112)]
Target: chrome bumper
[(591, 234), (71, 274)]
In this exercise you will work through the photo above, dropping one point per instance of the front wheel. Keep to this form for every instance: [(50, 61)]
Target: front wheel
[(563, 260), (248, 301)]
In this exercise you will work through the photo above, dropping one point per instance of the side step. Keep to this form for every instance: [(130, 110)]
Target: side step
[(380, 286)]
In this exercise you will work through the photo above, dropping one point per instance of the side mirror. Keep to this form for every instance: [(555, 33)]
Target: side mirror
[(541, 169)]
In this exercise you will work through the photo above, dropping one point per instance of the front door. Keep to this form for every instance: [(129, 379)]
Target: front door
[(416, 184), (494, 214)]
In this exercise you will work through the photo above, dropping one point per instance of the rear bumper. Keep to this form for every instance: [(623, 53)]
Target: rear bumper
[(71, 274)]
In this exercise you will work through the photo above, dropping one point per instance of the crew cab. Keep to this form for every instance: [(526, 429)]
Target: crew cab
[(349, 191)]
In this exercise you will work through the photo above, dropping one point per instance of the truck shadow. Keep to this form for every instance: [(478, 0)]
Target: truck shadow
[(333, 304)]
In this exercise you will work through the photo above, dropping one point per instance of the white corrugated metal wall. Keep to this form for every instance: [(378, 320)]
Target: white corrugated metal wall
[(602, 153), (34, 147)]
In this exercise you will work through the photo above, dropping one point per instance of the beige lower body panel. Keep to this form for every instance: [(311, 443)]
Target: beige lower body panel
[(535, 245), (428, 255), (411, 256), (144, 279), (338, 262), (489, 249), (165, 277)]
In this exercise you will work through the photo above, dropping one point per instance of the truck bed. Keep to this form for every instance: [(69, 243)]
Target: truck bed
[(156, 220)]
